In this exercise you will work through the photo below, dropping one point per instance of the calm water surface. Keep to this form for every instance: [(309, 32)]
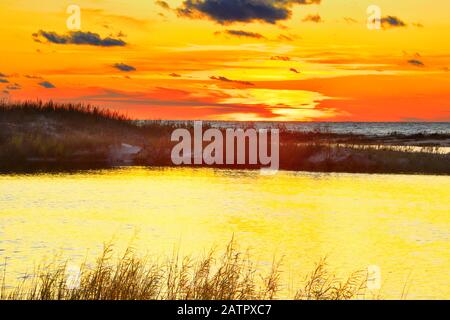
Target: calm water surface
[(400, 223), (363, 128)]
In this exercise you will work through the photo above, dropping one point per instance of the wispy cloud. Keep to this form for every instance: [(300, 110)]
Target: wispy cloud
[(31, 76), (350, 20), (163, 4), (280, 58), (283, 37), (246, 34), (316, 18), (225, 79), (14, 86)]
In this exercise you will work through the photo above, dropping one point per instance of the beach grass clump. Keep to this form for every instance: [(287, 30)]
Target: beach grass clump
[(321, 284), (231, 275), (70, 111), (54, 132), (59, 133)]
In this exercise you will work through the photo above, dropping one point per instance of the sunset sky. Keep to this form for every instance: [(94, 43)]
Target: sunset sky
[(278, 60)]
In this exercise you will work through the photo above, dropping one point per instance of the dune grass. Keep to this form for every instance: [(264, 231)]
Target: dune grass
[(57, 132), (54, 133), (231, 275), (36, 131), (70, 111)]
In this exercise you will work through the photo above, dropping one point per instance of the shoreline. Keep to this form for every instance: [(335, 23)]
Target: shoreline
[(34, 168), (336, 155), (296, 156), (51, 137)]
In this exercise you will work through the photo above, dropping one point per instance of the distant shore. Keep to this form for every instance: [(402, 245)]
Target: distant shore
[(48, 136)]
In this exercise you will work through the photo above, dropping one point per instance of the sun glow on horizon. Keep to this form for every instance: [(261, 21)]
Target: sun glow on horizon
[(150, 61)]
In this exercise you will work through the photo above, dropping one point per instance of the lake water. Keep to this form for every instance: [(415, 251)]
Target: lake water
[(361, 128), (400, 223)]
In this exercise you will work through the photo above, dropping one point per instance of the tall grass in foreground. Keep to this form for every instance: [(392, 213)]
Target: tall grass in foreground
[(229, 276)]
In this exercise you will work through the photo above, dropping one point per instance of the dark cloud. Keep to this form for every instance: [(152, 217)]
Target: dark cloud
[(80, 38), (280, 58), (3, 80), (294, 70), (2, 75), (392, 22), (416, 62), (124, 67), (229, 11), (163, 4), (225, 79), (313, 18), (175, 75), (47, 85), (242, 33)]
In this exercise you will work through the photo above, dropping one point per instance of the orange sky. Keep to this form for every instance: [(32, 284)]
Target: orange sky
[(232, 60)]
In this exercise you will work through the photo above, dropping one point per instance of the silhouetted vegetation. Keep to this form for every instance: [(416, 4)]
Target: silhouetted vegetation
[(50, 133), (54, 136), (230, 276)]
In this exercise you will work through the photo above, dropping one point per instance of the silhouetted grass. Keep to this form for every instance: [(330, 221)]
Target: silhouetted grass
[(71, 135), (357, 158), (233, 275), (321, 284), (69, 111), (57, 132)]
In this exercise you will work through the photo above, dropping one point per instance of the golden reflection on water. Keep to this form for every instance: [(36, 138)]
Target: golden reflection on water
[(397, 222)]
